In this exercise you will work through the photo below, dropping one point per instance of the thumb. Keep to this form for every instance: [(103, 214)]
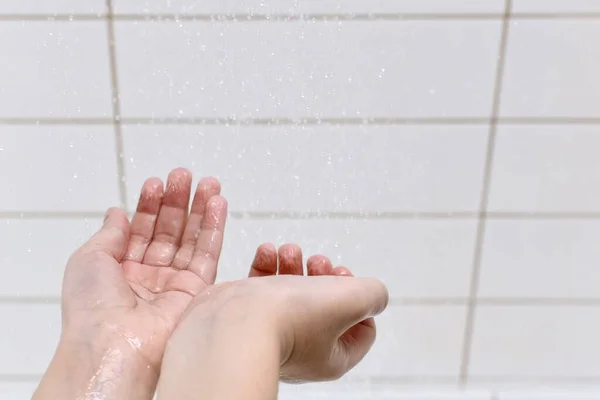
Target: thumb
[(356, 342), (357, 299), (113, 237)]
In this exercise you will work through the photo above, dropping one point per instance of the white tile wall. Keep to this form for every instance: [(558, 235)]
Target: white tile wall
[(433, 168), (306, 6), (342, 391), (406, 260), (416, 341), (541, 259), (547, 395), (56, 69), (16, 390), (305, 69), (34, 7), (364, 136), (551, 69), (28, 337), (546, 169), (556, 6), (57, 168), (536, 341), (33, 256)]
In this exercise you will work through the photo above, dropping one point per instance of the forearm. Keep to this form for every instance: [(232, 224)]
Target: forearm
[(222, 357), (78, 372)]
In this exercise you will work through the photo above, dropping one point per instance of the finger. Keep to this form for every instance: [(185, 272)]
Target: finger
[(112, 238), (290, 260), (342, 271), (144, 219), (210, 240), (171, 219), (355, 343), (357, 299), (207, 188), (319, 265), (265, 261)]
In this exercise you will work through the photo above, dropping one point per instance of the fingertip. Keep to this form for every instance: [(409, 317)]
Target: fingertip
[(151, 196), (266, 248), (265, 261), (180, 173), (177, 191), (342, 271), (289, 252), (380, 295), (210, 185), (290, 260), (319, 265), (115, 216), (217, 202)]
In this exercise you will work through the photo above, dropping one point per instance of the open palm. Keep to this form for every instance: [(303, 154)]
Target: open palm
[(136, 279)]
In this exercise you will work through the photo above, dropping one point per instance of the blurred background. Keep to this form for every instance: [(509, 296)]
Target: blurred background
[(448, 147)]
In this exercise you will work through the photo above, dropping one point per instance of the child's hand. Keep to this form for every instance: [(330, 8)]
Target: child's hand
[(126, 289), (320, 325), (288, 261)]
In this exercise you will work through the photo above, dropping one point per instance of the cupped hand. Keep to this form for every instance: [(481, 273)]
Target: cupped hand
[(323, 320), (131, 282), (351, 345)]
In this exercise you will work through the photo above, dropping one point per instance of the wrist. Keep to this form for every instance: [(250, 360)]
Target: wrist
[(232, 305), (103, 367), (218, 343)]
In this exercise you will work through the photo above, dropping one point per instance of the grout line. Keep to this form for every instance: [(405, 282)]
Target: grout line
[(555, 15), (487, 177), (253, 215), (26, 215), (541, 215), (246, 17), (395, 302), (52, 17), (363, 216), (249, 121), (290, 17), (308, 121), (508, 120), (116, 103), (377, 121), (56, 121)]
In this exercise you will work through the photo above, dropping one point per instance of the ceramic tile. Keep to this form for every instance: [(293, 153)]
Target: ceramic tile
[(307, 69), (56, 70), (416, 341), (24, 350), (551, 69), (308, 6), (37, 251), (543, 168), (16, 390), (57, 168), (415, 258), (555, 6), (319, 169), (536, 342), (546, 259)]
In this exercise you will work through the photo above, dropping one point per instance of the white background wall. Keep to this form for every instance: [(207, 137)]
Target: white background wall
[(449, 147)]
